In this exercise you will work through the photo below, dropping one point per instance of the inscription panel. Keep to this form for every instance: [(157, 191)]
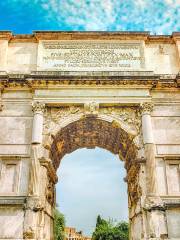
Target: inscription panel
[(90, 56)]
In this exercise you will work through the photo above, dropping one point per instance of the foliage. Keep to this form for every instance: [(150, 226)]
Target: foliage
[(59, 225), (106, 230)]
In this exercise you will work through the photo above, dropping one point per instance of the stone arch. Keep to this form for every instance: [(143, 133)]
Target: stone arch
[(114, 128), (91, 132), (122, 123)]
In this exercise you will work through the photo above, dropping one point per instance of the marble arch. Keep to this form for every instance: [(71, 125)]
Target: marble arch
[(63, 90), (114, 128)]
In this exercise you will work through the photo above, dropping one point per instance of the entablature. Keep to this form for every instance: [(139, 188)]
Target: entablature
[(44, 79)]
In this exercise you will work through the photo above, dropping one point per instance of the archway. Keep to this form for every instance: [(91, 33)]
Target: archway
[(91, 131), (115, 128)]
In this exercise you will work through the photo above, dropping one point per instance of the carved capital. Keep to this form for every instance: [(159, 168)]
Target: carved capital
[(38, 107), (146, 108), (91, 108)]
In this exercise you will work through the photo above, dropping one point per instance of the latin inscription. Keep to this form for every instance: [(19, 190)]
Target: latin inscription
[(84, 56)]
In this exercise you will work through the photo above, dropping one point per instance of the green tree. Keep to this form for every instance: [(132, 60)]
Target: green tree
[(106, 230), (100, 221), (59, 225)]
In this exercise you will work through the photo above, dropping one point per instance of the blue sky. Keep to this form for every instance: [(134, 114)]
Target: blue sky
[(157, 16), (91, 183)]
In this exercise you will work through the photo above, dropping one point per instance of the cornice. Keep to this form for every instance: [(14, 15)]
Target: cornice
[(56, 79), (176, 36), (24, 38), (160, 39), (5, 35), (89, 35), (12, 200)]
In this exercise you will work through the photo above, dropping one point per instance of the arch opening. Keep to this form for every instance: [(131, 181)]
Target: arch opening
[(91, 183)]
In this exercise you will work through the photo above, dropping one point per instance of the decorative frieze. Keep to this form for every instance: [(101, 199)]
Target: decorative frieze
[(39, 79)]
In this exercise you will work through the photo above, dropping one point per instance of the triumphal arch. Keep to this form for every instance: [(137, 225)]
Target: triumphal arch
[(60, 91)]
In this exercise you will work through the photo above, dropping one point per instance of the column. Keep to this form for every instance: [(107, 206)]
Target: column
[(34, 208), (37, 130), (146, 109), (155, 211)]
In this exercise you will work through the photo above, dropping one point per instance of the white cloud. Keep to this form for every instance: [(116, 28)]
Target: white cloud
[(104, 15), (140, 3), (108, 14)]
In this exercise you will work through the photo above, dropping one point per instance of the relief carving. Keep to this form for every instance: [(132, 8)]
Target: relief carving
[(50, 192), (128, 115), (59, 114), (91, 108), (54, 116), (34, 173), (134, 188)]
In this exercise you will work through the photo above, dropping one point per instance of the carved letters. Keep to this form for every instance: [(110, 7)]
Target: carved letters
[(73, 56)]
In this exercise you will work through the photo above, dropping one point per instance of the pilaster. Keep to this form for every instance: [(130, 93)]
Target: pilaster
[(147, 131), (38, 110), (153, 205)]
